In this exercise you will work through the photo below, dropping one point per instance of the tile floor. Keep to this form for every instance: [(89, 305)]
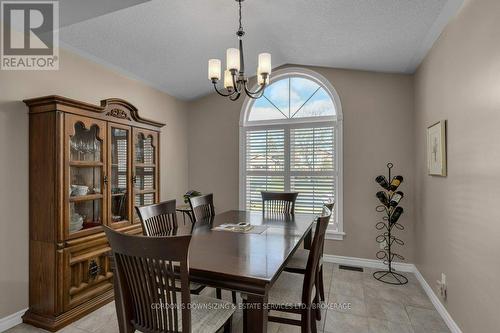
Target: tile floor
[(374, 308)]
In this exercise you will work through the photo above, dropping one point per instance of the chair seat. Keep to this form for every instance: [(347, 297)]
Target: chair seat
[(209, 314), (287, 290), (299, 260), (194, 288)]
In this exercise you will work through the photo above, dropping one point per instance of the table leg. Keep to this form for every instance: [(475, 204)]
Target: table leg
[(255, 314)]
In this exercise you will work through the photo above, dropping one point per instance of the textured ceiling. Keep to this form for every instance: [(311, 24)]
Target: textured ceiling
[(74, 11), (167, 43)]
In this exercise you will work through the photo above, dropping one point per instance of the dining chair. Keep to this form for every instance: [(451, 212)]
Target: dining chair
[(298, 263), (286, 294), (145, 280), (202, 207), (161, 220), (278, 202)]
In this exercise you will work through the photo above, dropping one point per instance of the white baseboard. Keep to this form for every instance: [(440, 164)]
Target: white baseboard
[(402, 267), (11, 320), (452, 325), (370, 263)]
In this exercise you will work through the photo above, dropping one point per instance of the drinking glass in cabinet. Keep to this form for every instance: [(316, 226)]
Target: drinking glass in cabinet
[(85, 144)]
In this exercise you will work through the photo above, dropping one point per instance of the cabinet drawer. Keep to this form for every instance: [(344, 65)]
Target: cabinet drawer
[(87, 272)]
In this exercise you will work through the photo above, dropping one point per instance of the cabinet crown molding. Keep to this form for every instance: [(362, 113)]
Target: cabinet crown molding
[(114, 109)]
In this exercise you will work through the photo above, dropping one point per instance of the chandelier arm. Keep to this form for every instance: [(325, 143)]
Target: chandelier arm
[(236, 83), (235, 97), (221, 93), (259, 92)]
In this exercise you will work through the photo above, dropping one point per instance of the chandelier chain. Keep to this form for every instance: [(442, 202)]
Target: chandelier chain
[(239, 9)]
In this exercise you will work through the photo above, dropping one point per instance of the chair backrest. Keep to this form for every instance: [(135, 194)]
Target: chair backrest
[(315, 254), (329, 206), (145, 279), (158, 219), (279, 202), (202, 206)]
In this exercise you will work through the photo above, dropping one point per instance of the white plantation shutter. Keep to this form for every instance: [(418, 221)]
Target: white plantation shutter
[(311, 149), (287, 158), (265, 150), (265, 164), (291, 141), (312, 159), (256, 184)]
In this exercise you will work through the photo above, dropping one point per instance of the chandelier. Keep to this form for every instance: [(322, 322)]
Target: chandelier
[(235, 81)]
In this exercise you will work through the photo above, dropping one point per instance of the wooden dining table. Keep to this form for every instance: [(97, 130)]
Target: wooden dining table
[(246, 262)]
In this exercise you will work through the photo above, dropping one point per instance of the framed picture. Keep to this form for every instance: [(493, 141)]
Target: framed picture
[(436, 149)]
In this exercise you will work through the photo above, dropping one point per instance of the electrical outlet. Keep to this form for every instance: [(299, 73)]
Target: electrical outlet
[(442, 288)]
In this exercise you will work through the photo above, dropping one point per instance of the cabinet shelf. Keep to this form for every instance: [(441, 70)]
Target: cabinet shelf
[(88, 197), (142, 165), (86, 163), (144, 191)]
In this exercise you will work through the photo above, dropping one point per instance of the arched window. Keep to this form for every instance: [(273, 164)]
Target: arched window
[(291, 140)]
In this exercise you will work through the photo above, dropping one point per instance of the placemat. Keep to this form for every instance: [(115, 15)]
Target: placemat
[(256, 229)]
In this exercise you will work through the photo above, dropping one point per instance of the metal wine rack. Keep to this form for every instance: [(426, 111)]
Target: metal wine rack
[(387, 238)]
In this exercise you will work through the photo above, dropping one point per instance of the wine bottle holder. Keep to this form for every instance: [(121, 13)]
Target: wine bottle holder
[(388, 226)]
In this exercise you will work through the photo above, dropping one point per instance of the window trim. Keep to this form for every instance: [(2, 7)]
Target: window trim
[(287, 124)]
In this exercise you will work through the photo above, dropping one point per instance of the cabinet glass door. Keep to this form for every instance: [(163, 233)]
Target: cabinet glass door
[(85, 177), (145, 167), (119, 174)]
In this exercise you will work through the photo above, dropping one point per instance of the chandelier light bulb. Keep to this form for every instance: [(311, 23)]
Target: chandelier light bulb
[(264, 63), (233, 59), (214, 67), (228, 79)]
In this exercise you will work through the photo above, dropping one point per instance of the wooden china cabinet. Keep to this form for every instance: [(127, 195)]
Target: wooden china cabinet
[(89, 166)]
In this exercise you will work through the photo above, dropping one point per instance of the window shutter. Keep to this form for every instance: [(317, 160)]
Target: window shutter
[(256, 184), (314, 191), (265, 162), (312, 167), (311, 149), (265, 150)]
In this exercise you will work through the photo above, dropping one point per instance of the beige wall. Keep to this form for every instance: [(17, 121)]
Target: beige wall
[(82, 80), (378, 127), (457, 221)]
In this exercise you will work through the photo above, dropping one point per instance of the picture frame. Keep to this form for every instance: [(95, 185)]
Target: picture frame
[(436, 149)]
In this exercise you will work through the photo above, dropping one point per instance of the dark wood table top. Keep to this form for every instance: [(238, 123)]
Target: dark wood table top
[(183, 208), (245, 261)]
